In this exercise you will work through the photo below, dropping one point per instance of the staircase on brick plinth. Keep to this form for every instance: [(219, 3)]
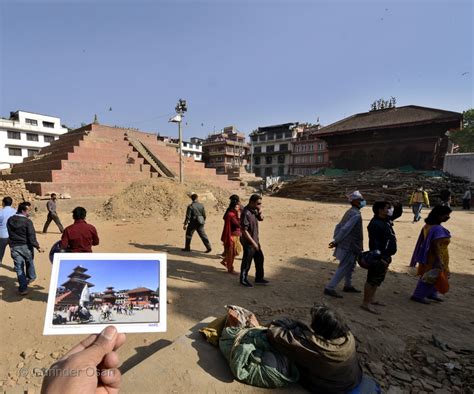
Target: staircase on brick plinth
[(98, 160)]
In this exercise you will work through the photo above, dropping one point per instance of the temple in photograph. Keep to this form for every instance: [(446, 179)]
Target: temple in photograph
[(141, 296), (72, 288), (109, 296)]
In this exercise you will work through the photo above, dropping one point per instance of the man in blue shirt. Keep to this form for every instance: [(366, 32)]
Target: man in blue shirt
[(5, 213)]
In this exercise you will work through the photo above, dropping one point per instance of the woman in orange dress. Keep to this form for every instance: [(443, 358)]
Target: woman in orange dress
[(231, 234), (431, 255)]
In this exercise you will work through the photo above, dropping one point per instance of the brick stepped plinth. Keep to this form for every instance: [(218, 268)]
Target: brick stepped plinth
[(193, 171), (98, 160)]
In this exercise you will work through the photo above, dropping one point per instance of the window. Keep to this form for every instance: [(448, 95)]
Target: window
[(254, 138), (320, 158), (256, 171), (14, 151), (32, 122), (283, 147), (49, 125), (48, 138), (262, 138), (14, 135), (270, 148), (268, 159), (321, 146), (32, 152), (268, 171), (32, 137), (279, 136), (257, 149), (281, 159), (256, 160), (281, 171), (288, 134)]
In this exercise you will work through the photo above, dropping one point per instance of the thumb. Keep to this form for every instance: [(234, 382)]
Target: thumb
[(103, 344)]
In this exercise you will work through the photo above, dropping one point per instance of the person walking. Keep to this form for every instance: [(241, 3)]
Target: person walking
[(5, 213), (466, 199), (348, 244), (52, 215), (251, 215), (80, 236), (23, 241), (417, 199), (231, 234), (431, 255), (194, 221), (382, 239)]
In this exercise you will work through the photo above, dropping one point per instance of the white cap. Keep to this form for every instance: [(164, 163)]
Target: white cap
[(355, 196)]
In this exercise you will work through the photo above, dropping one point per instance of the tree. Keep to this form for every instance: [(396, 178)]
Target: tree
[(383, 104), (464, 138)]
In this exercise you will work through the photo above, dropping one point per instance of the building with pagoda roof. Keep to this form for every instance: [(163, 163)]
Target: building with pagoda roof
[(109, 296), (73, 287)]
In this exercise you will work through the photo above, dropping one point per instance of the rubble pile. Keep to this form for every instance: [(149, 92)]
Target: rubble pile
[(425, 367), (393, 184), (16, 190), (161, 197)]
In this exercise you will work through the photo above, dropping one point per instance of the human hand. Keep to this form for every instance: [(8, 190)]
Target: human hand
[(89, 367), (332, 245), (40, 250), (256, 247), (184, 227)]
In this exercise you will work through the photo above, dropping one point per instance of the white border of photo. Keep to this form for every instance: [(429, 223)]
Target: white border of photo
[(92, 328)]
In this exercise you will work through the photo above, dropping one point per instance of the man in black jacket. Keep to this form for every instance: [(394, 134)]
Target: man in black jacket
[(23, 241), (381, 238), (195, 220)]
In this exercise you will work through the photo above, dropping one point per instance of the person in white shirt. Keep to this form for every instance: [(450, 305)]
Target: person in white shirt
[(5, 213), (466, 200)]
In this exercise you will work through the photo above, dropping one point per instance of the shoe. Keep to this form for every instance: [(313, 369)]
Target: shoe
[(30, 280), (350, 289), (332, 293), (435, 298), (420, 300), (208, 251), (23, 293), (246, 283), (185, 250), (261, 282)]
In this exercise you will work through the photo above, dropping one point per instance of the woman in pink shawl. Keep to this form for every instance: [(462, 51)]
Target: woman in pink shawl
[(231, 234), (431, 255)]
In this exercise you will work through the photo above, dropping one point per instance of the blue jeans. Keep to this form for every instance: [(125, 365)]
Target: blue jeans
[(416, 208), (346, 267), (22, 256)]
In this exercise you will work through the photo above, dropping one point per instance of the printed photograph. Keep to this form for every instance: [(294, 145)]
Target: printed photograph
[(101, 291)]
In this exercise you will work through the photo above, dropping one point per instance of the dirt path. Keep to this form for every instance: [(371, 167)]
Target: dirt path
[(294, 238)]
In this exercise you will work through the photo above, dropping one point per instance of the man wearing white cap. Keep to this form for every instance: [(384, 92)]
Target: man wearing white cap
[(348, 241)]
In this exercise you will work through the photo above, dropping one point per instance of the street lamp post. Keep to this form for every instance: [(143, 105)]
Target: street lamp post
[(180, 109)]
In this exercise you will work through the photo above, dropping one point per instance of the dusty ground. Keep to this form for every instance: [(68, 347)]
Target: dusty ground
[(294, 238)]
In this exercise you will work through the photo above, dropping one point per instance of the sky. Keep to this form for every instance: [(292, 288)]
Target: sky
[(246, 63), (121, 274)]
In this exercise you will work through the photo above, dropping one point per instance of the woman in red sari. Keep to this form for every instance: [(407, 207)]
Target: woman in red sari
[(231, 234)]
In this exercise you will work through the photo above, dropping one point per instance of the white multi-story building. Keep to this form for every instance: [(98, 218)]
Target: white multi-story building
[(24, 134)]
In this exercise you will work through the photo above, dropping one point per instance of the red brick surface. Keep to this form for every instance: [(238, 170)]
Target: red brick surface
[(98, 160)]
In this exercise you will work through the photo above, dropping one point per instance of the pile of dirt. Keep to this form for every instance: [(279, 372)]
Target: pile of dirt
[(16, 190), (160, 197), (374, 185)]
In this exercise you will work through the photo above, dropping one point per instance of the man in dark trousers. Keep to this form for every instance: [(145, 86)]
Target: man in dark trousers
[(195, 220), (80, 236), (23, 241), (381, 238), (251, 215), (52, 214)]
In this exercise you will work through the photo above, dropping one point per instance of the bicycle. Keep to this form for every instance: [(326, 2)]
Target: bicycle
[(105, 316)]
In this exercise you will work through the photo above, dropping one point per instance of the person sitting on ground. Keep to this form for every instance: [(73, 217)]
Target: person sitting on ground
[(324, 353), (96, 353), (80, 236), (381, 238)]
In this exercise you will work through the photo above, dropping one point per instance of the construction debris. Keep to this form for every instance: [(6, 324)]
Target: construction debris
[(381, 184), (16, 190)]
